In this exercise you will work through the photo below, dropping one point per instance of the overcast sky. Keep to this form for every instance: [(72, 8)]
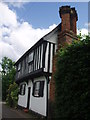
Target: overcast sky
[(23, 24)]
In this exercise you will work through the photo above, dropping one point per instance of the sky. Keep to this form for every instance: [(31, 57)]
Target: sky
[(22, 24), (44, 14)]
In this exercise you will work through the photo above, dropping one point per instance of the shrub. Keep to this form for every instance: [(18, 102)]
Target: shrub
[(12, 96), (72, 81)]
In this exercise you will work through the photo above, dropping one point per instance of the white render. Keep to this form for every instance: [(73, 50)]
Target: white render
[(39, 104), (22, 99), (52, 37)]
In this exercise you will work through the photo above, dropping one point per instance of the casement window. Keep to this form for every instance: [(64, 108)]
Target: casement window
[(38, 89), (19, 66), (31, 67), (25, 62), (19, 69), (30, 62), (30, 57), (22, 89)]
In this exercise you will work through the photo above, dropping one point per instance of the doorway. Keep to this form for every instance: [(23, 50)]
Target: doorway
[(28, 100)]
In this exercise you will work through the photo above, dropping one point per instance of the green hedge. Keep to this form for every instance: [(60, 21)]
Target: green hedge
[(72, 81)]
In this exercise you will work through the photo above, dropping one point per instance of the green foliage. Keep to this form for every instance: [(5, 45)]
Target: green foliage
[(9, 87), (7, 65), (72, 81), (8, 75), (12, 96)]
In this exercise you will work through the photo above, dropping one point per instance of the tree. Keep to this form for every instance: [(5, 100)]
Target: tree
[(8, 75), (72, 81)]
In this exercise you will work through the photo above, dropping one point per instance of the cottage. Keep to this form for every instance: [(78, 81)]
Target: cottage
[(34, 70)]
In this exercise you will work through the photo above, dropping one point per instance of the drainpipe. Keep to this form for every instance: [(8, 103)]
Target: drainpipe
[(47, 82), (47, 79)]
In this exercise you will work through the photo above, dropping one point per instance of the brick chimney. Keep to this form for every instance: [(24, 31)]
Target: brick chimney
[(68, 25), (68, 18), (66, 36)]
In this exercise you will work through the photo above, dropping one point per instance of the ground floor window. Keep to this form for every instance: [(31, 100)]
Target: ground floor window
[(38, 88)]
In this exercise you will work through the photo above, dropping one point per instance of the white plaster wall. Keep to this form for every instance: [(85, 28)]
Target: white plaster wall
[(22, 99), (51, 58), (46, 58), (29, 83), (38, 104), (52, 39)]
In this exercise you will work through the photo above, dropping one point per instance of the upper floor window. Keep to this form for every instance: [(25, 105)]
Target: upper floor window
[(30, 62), (25, 62), (19, 67), (30, 57), (31, 67)]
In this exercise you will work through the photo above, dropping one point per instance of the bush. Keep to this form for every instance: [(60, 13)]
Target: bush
[(72, 81), (12, 96)]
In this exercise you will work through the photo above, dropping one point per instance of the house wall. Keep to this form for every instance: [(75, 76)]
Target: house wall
[(22, 99), (38, 104), (52, 39)]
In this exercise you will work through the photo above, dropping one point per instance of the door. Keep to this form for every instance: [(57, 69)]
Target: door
[(28, 100)]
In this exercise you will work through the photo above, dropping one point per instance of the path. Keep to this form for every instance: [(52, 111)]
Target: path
[(8, 112)]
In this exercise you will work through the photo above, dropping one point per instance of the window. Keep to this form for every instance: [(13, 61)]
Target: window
[(25, 62), (22, 89), (38, 88), (19, 67), (30, 57), (30, 62), (30, 67)]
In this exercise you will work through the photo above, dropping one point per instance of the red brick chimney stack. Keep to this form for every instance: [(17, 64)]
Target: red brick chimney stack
[(68, 25), (68, 18), (74, 19)]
